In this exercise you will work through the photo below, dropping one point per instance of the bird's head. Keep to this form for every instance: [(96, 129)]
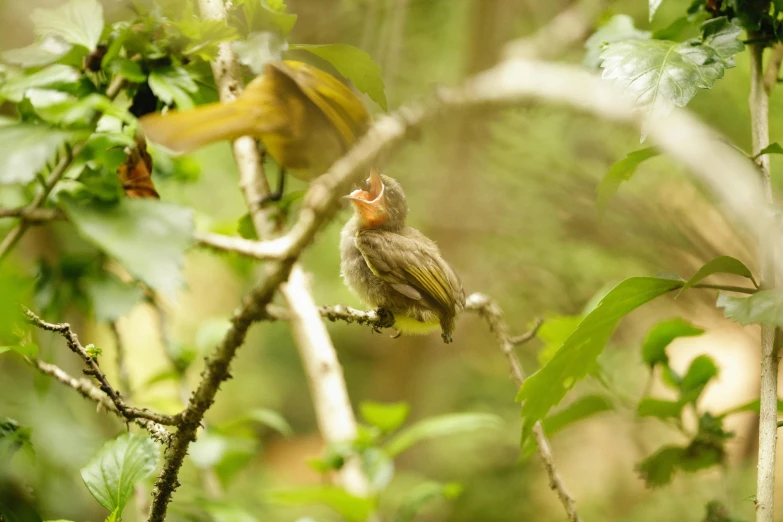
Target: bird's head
[(379, 202)]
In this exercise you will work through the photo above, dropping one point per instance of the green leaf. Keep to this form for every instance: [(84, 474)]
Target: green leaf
[(114, 516), (211, 333), (172, 85), (772, 148), (577, 357), (764, 307), (700, 372), (268, 15), (619, 28), (225, 454), (52, 76), (26, 148), (246, 228), (673, 30), (264, 416), (662, 74), (441, 426), (79, 22), (352, 508), (649, 407), (719, 265), (149, 237), (204, 35), (654, 5), (378, 467), (423, 494), (112, 298), (25, 350), (13, 437), (658, 469), (258, 49), (661, 335), (42, 52), (119, 465), (225, 511), (578, 410), (554, 332), (384, 416), (620, 171), (128, 69), (753, 405), (354, 64)]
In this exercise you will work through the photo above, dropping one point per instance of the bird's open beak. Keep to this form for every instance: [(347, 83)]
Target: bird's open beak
[(370, 203)]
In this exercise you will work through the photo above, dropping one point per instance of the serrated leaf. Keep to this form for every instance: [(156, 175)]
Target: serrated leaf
[(423, 494), (441, 426), (42, 52), (649, 407), (258, 49), (52, 76), (354, 64), (620, 171), (764, 307), (26, 148), (79, 22), (554, 332), (673, 30), (658, 469), (149, 237), (661, 74), (661, 335), (384, 416), (119, 465), (172, 85), (350, 507), (577, 357), (619, 28), (699, 374), (772, 148), (719, 265), (112, 298), (653, 7)]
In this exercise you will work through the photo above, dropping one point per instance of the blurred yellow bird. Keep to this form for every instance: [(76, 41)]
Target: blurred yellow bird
[(306, 119)]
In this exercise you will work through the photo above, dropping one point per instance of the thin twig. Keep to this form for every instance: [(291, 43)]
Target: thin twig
[(93, 369), (768, 430), (529, 335), (32, 215), (92, 392)]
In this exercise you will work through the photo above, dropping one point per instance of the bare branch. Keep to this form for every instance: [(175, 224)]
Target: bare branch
[(32, 215), (376, 319), (529, 335), (93, 369), (89, 391), (488, 310)]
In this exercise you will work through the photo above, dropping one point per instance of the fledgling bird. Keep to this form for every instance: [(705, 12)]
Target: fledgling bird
[(390, 265)]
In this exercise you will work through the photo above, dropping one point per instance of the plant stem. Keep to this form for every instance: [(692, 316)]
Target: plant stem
[(768, 429)]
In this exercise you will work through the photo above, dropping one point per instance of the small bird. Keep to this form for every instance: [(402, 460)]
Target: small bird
[(305, 117), (389, 265)]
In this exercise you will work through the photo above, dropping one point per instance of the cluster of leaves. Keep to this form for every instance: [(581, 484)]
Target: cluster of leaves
[(584, 338)]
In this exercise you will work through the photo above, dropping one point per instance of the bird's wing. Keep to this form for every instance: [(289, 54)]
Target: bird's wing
[(412, 266)]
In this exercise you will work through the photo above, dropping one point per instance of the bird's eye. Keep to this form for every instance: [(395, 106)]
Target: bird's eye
[(365, 185)]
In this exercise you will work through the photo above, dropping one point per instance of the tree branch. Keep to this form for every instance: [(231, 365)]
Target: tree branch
[(93, 393), (759, 114), (93, 369)]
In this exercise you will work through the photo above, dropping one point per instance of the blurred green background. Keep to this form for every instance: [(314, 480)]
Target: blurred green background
[(509, 197)]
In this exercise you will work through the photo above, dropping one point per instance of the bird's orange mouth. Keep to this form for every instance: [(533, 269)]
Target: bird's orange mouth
[(369, 201)]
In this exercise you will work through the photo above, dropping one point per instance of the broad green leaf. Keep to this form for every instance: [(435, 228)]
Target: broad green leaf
[(577, 357), (149, 237), (649, 407), (264, 416), (172, 85), (351, 508), (119, 465), (258, 49), (661, 335), (204, 35), (620, 171), (79, 112), (441, 426), (658, 469), (772, 148), (42, 52), (112, 298), (764, 307), (719, 265), (52, 76), (129, 69), (79, 22), (25, 149), (700, 372), (268, 15), (653, 7), (423, 494), (619, 28), (673, 30), (662, 74), (554, 332), (26, 350), (354, 64), (384, 416)]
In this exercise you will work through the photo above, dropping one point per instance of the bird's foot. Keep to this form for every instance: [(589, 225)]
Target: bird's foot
[(446, 337), (385, 317), (397, 333)]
